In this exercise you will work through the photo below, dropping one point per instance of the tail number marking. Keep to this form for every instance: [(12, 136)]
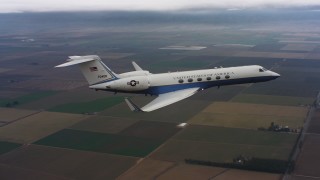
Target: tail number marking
[(102, 76)]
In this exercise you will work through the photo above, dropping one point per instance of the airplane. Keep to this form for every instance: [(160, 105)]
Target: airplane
[(170, 87)]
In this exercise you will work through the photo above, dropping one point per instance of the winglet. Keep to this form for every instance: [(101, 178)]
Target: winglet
[(132, 106), (136, 66)]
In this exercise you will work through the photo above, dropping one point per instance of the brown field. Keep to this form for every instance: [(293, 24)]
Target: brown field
[(246, 175), (224, 94), (314, 125), (186, 171), (247, 121), (8, 172), (273, 100), (243, 115), (67, 163), (298, 177), (309, 158), (9, 114), (259, 109), (147, 169), (299, 47), (37, 126), (104, 124)]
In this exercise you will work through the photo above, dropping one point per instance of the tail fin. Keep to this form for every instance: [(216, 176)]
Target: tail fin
[(93, 69)]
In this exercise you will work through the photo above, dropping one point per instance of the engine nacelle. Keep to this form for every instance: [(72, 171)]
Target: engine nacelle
[(134, 73), (136, 83)]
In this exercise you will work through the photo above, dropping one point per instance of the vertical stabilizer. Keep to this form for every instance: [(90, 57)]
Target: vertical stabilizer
[(93, 69)]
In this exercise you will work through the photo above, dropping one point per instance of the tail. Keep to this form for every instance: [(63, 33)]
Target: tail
[(93, 69)]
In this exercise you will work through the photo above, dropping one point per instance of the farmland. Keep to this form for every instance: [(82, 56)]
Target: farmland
[(101, 142), (251, 116), (223, 144), (66, 163), (7, 146), (273, 100), (39, 125), (57, 128), (88, 107)]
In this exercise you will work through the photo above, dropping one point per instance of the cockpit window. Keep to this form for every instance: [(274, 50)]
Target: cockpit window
[(263, 69)]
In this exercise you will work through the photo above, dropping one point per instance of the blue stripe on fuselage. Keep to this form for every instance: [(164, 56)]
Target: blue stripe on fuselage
[(154, 90)]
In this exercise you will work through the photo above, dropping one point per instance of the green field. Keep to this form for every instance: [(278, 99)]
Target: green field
[(25, 98), (179, 150), (220, 144), (7, 146), (101, 142), (236, 136), (273, 100), (104, 124), (88, 107)]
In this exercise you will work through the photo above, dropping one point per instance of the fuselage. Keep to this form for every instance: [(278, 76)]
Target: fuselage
[(156, 84)]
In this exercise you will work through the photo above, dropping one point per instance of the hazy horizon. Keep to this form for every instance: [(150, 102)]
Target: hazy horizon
[(18, 6)]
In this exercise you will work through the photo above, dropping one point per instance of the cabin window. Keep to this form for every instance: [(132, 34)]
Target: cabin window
[(261, 70), (190, 80), (180, 81), (227, 76), (199, 79), (208, 78), (218, 77)]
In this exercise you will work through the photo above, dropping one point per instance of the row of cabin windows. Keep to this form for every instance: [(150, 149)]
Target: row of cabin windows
[(200, 79)]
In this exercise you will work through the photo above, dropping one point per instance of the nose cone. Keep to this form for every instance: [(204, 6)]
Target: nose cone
[(274, 74)]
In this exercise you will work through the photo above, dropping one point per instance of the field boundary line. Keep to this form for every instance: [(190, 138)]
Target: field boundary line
[(213, 177), (20, 118)]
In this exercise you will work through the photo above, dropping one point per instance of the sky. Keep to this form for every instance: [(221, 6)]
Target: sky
[(8, 6)]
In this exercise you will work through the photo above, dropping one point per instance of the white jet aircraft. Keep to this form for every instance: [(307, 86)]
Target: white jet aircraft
[(169, 87)]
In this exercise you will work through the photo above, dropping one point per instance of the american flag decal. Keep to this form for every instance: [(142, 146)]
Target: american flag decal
[(93, 69)]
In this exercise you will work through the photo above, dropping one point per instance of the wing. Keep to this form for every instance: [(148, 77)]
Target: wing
[(164, 100)]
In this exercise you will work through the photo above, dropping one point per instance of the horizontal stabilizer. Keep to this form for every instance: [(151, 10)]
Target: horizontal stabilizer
[(73, 60)]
